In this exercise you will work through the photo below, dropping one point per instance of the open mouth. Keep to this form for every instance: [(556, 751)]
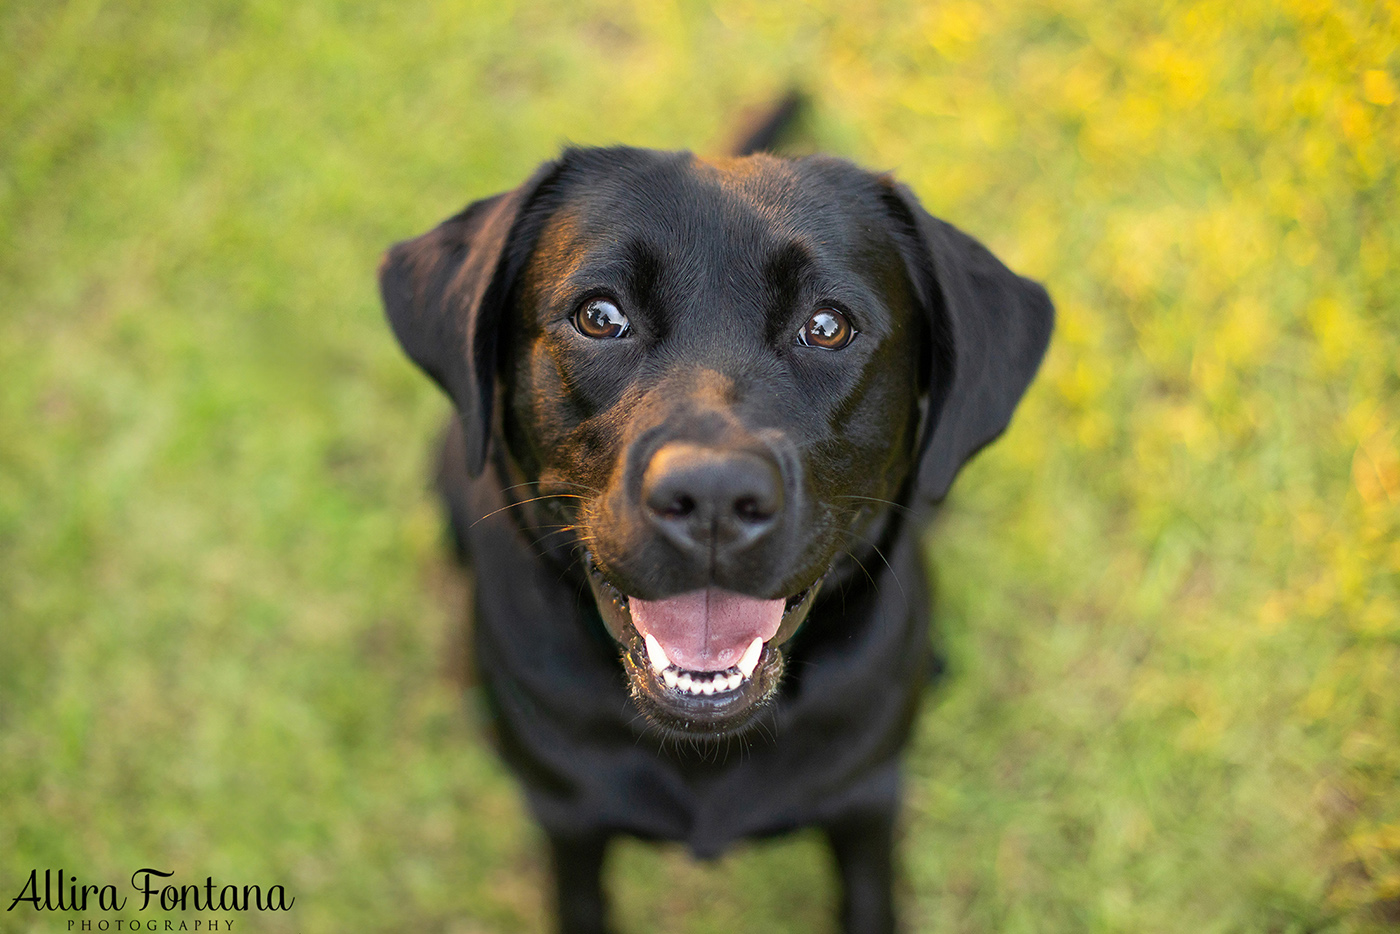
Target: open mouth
[(701, 662)]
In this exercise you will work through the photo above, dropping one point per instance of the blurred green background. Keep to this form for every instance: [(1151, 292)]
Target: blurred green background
[(1170, 595)]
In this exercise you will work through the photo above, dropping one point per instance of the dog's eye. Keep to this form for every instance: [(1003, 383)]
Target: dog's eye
[(600, 319), (827, 329)]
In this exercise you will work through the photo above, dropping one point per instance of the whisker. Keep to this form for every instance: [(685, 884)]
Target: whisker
[(868, 576), (553, 530), (875, 499), (558, 530), (540, 483), (761, 724), (578, 552), (526, 502), (903, 595)]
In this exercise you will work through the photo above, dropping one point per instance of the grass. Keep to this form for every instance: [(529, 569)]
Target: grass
[(1170, 595)]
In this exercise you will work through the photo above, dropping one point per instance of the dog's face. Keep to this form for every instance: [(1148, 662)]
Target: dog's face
[(719, 378)]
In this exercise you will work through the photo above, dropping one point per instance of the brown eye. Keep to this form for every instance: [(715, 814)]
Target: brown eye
[(600, 319), (827, 329)]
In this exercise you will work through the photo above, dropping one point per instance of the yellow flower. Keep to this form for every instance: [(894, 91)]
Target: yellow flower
[(1377, 87)]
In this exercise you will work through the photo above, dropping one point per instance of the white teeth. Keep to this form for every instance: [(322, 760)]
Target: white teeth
[(718, 684), (707, 683), (657, 655), (750, 660)]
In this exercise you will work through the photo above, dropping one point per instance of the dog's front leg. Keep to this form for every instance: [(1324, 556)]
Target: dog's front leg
[(863, 844), (578, 882)]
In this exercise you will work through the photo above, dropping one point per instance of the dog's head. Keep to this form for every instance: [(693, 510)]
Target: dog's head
[(719, 377)]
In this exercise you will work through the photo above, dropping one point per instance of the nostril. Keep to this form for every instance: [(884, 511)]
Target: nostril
[(749, 509), (679, 507), (697, 495)]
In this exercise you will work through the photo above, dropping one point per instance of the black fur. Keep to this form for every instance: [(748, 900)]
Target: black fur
[(547, 477)]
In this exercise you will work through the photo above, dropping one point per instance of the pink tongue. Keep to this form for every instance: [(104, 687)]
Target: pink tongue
[(706, 630)]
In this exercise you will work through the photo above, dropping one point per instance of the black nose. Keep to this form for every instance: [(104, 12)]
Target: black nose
[(703, 497)]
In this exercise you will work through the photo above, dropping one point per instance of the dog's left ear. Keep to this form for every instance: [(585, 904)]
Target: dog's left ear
[(446, 292), (988, 329)]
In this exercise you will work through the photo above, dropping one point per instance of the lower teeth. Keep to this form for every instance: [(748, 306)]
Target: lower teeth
[(684, 681)]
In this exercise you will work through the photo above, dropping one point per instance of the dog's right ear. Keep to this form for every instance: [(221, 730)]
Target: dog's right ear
[(446, 292)]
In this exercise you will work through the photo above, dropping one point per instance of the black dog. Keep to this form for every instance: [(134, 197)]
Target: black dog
[(704, 405)]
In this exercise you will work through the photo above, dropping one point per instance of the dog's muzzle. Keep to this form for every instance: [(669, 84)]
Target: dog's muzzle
[(703, 662)]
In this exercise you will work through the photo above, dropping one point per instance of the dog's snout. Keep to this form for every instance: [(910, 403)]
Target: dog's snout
[(703, 497)]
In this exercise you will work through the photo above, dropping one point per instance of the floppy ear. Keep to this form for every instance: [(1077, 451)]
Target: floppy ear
[(445, 294), (989, 329)]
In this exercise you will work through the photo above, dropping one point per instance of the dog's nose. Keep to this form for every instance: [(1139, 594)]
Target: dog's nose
[(703, 497)]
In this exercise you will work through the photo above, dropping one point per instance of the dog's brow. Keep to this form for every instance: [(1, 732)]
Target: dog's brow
[(787, 265), (643, 264), (633, 266)]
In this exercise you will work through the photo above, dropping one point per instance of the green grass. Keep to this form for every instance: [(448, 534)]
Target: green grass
[(1170, 595)]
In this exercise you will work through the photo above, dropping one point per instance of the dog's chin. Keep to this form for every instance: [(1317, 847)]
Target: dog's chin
[(698, 703)]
